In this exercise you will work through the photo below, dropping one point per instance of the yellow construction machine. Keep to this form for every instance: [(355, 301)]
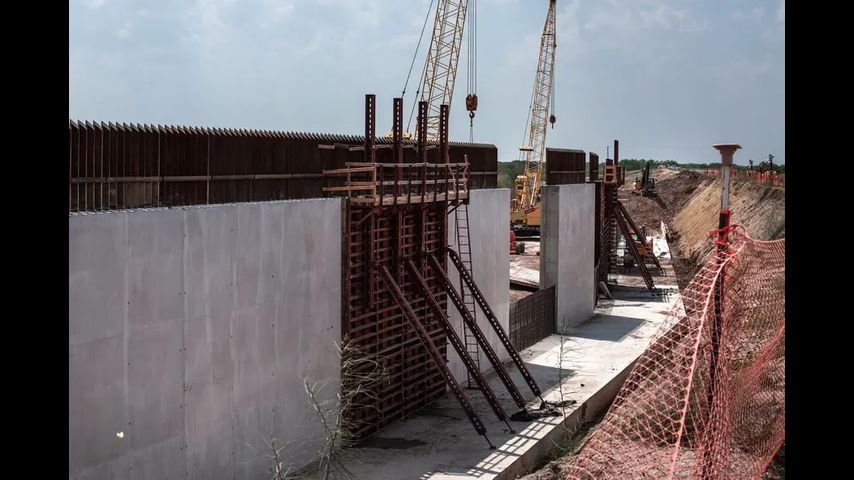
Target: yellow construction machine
[(645, 185), (525, 206)]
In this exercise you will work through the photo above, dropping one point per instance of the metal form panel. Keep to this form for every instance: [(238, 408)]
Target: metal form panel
[(119, 166), (597, 242), (532, 318), (564, 166), (392, 218), (593, 167), (395, 285), (373, 320)]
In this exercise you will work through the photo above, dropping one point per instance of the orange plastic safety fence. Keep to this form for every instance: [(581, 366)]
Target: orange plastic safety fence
[(706, 399), (773, 178)]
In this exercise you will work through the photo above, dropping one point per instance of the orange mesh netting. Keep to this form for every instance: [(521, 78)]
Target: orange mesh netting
[(686, 411)]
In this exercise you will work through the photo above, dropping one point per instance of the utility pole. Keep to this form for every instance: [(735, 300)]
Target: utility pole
[(722, 243), (771, 162)]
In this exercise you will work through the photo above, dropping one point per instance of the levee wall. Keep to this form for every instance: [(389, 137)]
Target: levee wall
[(191, 332)]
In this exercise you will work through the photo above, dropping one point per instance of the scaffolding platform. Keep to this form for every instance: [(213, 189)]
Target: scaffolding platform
[(382, 184)]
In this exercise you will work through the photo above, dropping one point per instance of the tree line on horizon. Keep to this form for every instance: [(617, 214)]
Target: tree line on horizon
[(508, 171)]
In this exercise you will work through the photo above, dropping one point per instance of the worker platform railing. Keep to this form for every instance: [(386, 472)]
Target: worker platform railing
[(385, 184)]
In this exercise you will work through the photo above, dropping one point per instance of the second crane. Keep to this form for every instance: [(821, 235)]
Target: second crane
[(525, 208)]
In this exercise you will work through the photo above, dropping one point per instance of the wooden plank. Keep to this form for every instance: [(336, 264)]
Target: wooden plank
[(348, 188), (402, 199)]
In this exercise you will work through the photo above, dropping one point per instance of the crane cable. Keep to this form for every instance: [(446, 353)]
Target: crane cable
[(471, 73), (412, 64)]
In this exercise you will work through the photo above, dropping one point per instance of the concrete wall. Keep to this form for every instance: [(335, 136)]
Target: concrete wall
[(190, 332), (489, 224), (567, 250)]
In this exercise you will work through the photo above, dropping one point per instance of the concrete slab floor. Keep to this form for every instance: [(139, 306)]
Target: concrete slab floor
[(440, 443), (668, 281)]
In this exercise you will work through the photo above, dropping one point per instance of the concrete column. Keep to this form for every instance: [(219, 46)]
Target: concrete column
[(567, 251)]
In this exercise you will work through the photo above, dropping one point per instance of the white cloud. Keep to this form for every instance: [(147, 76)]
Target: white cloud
[(285, 9), (124, 32), (635, 16), (94, 3), (569, 39), (755, 15), (668, 18)]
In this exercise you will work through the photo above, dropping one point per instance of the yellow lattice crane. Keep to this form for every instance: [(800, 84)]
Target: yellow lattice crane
[(525, 208), (440, 69)]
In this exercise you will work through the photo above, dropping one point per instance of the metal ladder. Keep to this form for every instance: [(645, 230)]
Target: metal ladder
[(461, 223)]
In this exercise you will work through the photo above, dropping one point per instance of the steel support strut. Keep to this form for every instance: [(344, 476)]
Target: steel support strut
[(478, 334), (424, 337), (621, 223), (641, 236), (474, 372), (493, 321)]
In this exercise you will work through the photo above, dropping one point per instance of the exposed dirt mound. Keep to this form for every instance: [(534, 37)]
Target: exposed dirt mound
[(688, 202), (673, 187), (759, 208)]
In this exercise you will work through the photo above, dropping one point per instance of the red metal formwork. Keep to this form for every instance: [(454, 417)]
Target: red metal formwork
[(374, 323), (593, 167), (396, 288)]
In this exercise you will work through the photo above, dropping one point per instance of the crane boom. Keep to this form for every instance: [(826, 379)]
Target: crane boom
[(528, 185), (440, 70)]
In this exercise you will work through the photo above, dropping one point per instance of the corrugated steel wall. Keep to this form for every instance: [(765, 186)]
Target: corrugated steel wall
[(564, 166), (116, 166), (532, 318), (593, 167)]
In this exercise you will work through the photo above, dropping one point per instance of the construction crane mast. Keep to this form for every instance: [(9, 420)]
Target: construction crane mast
[(525, 208), (440, 69)]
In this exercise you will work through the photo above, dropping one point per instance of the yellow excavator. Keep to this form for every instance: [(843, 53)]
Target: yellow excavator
[(525, 205), (645, 185)]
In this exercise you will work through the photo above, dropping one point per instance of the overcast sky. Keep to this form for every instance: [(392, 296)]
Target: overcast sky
[(668, 78)]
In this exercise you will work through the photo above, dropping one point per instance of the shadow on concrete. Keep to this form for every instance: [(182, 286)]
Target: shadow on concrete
[(641, 294), (609, 328), (392, 443), (547, 377), (515, 447)]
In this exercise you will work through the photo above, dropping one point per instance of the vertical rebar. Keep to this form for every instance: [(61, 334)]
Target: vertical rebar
[(397, 135)]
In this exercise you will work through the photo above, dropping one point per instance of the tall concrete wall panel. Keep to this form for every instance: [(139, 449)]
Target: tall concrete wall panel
[(489, 231), (191, 332), (567, 250)]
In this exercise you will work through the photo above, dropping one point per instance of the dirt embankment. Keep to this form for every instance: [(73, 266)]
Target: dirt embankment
[(673, 190), (759, 208), (689, 202)]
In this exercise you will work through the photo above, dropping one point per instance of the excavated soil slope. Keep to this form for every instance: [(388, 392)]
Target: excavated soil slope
[(689, 202), (759, 208), (673, 188)]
